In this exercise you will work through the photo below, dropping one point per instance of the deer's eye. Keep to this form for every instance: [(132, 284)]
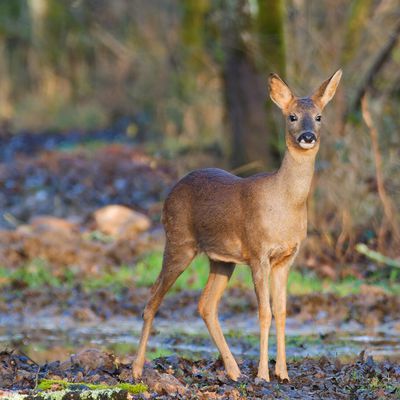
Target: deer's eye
[(292, 117), (318, 118)]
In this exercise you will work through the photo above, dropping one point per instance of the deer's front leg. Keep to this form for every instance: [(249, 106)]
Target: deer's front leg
[(279, 277), (260, 272)]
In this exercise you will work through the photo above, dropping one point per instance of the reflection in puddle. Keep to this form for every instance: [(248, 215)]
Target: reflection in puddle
[(48, 339)]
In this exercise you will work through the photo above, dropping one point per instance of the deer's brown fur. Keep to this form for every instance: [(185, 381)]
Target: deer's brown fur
[(259, 221)]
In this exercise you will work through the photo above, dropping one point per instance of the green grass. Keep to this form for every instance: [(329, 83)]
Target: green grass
[(160, 352), (38, 274), (195, 277), (299, 283), (34, 274), (306, 283)]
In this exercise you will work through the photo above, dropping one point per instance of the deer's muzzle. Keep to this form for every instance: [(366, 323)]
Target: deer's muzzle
[(307, 140)]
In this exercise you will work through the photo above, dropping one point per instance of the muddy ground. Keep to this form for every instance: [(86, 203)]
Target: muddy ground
[(318, 367), (371, 308)]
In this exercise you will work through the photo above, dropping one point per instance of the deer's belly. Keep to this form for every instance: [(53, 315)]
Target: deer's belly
[(226, 250), (229, 258)]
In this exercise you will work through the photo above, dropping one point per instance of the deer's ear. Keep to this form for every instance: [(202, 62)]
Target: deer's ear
[(323, 95), (279, 92)]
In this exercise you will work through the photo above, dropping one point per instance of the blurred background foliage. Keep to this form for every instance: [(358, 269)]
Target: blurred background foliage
[(191, 76)]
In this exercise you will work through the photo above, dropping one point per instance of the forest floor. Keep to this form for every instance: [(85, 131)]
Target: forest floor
[(177, 377), (337, 347), (71, 294)]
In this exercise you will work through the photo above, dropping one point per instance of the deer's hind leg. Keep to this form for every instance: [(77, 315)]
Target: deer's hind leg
[(220, 273), (176, 260)]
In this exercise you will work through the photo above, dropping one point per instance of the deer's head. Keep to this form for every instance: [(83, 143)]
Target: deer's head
[(303, 114)]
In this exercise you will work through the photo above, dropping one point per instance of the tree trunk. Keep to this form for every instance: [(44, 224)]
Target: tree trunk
[(255, 136), (245, 94)]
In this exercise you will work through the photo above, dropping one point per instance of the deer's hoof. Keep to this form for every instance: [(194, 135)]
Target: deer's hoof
[(261, 378), (234, 373), (137, 371), (282, 376)]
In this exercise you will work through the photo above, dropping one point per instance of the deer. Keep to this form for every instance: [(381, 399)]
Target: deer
[(259, 220)]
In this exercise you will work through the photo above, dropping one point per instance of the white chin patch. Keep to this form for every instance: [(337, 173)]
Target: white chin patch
[(305, 145)]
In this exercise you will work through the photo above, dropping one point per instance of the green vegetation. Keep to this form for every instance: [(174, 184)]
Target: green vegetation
[(157, 353), (299, 283), (195, 277), (376, 256), (377, 383), (34, 274), (48, 384), (37, 274), (86, 391)]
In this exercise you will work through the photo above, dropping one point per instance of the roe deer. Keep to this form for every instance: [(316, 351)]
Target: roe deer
[(260, 221)]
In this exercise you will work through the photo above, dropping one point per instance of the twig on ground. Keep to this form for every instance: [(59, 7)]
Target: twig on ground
[(37, 377), (25, 355), (376, 256)]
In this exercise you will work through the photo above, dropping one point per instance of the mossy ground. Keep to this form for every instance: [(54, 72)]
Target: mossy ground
[(48, 384), (55, 389)]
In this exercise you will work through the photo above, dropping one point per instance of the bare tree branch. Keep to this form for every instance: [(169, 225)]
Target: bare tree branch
[(388, 208), (379, 62)]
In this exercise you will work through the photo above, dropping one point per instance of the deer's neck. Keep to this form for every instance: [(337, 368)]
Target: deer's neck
[(295, 175)]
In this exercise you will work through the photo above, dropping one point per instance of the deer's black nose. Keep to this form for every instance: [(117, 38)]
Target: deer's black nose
[(307, 137)]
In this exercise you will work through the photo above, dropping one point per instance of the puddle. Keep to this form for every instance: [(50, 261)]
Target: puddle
[(52, 338)]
